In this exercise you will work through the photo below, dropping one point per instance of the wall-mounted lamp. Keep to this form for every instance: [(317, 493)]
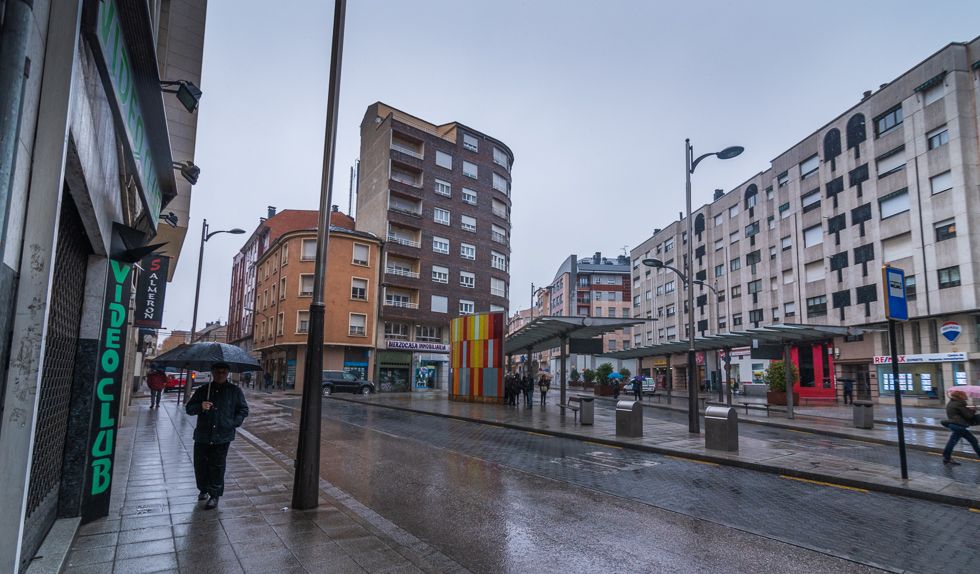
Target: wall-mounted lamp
[(187, 93), (187, 169), (170, 219)]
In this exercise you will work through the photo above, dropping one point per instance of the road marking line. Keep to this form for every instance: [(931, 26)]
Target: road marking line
[(605, 445), (956, 456), (799, 431), (694, 460), (821, 483), (975, 510), (538, 434)]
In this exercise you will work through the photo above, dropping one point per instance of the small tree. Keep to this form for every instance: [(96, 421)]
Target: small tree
[(625, 372), (574, 376), (589, 376), (603, 372), (775, 376)]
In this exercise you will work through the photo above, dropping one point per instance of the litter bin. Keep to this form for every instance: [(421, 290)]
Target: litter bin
[(721, 428), (586, 413), (629, 419), (864, 415)]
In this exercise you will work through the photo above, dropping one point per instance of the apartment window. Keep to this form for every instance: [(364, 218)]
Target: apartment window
[(470, 170), (752, 229), (302, 321), (935, 92), (888, 121), (440, 274), (771, 221), (755, 316), (671, 310), (469, 196), (440, 304), (719, 219), (498, 287), (612, 344), (440, 245), (280, 320), (308, 250), (719, 243), (282, 289), (812, 236), (466, 307), (467, 223), (668, 244), (500, 158), (787, 277), (443, 188), (942, 182), (786, 243), (467, 251), (499, 234), (816, 306), (910, 287), (773, 284), (499, 208), (397, 331), (938, 137), (733, 210), (428, 334), (361, 253), (737, 320), (769, 193), (498, 261), (753, 257), (467, 279), (814, 271), (735, 264), (636, 300), (471, 143), (612, 312), (782, 179), (811, 201), (894, 203), (669, 287), (357, 325), (358, 289), (784, 211), (946, 230), (719, 270), (949, 277), (733, 237), (809, 166), (306, 285), (755, 286), (789, 309), (736, 291), (891, 162), (500, 183), (441, 216), (444, 159), (284, 254)]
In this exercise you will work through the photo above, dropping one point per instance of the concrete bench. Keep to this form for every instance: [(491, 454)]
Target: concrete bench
[(755, 407)]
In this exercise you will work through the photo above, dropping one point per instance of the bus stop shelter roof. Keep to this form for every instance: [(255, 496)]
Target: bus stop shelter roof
[(782, 334), (543, 333)]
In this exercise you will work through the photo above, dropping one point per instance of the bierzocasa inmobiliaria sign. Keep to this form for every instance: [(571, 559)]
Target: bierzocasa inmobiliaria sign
[(151, 289), (105, 407)]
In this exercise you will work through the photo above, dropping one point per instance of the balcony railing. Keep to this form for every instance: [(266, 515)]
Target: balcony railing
[(498, 292), (406, 178), (399, 303), (502, 213), (357, 331), (406, 150), (403, 241), (498, 237), (405, 208), (402, 272)]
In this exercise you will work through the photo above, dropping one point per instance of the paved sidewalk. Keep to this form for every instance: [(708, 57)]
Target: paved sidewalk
[(156, 524), (815, 462)]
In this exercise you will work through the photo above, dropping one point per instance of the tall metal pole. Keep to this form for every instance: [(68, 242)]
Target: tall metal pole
[(562, 357), (898, 399), (790, 382), (693, 421), (197, 296), (306, 481)]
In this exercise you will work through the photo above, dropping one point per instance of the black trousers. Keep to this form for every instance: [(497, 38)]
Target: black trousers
[(155, 397), (209, 467)]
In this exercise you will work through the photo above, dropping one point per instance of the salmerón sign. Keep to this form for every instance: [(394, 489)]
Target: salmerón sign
[(151, 290), (105, 412)]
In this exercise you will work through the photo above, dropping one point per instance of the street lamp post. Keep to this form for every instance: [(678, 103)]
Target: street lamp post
[(205, 235)]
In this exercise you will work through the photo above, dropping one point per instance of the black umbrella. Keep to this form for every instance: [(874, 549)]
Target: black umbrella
[(200, 357)]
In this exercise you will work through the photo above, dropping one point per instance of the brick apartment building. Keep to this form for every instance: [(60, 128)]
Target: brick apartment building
[(892, 180), (440, 196), (284, 289)]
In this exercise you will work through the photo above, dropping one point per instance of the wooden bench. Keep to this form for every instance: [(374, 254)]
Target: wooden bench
[(756, 407), (574, 404)]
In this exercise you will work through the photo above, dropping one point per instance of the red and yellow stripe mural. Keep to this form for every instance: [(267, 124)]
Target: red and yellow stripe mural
[(477, 358)]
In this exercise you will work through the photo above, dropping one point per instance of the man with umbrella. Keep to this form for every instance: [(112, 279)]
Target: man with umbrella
[(220, 408)]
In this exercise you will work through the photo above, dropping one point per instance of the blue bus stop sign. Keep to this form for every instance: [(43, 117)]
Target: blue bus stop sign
[(896, 305)]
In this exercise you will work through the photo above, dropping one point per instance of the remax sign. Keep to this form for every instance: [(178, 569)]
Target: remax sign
[(951, 330)]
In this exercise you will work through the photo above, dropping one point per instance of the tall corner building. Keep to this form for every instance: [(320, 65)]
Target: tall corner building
[(439, 196)]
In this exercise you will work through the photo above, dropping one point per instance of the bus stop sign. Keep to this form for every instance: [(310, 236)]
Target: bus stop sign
[(896, 305)]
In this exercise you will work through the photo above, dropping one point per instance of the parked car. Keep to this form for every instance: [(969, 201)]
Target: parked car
[(344, 382), (175, 381)]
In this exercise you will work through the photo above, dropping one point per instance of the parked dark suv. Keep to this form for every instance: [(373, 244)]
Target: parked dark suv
[(344, 382)]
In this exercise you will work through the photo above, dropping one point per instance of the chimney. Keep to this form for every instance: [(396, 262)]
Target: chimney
[(334, 208), (719, 193), (867, 94), (597, 258), (272, 211), (657, 230)]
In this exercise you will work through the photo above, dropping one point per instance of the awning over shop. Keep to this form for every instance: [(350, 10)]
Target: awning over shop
[(543, 333), (770, 335)]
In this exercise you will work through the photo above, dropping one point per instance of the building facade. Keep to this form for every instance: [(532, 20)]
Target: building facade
[(893, 180), (440, 196), (284, 290), (87, 144), (241, 298)]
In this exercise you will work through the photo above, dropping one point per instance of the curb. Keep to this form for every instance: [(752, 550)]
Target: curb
[(887, 489)]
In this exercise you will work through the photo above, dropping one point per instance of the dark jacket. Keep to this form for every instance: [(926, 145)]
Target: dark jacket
[(228, 412), (958, 413)]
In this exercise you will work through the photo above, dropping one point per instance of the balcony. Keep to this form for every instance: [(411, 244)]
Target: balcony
[(403, 240), (406, 175), (401, 304), (407, 146), (499, 237), (401, 272), (406, 207), (498, 292)]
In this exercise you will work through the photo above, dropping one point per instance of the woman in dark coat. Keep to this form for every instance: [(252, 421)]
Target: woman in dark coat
[(959, 417)]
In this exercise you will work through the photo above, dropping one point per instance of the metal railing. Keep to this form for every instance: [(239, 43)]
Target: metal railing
[(402, 241), (402, 272), (498, 237), (403, 304), (406, 150)]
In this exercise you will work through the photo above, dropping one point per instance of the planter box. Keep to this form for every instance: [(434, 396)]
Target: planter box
[(778, 398), (603, 390)]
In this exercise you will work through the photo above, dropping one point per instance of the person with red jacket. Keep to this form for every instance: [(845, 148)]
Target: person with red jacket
[(156, 380)]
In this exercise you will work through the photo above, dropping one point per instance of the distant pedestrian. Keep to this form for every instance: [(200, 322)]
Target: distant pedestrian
[(157, 381), (544, 384), (615, 384), (848, 391), (267, 382), (510, 389), (220, 408), (638, 388), (959, 417), (527, 389)]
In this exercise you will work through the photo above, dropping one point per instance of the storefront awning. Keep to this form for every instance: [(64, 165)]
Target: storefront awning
[(543, 333), (770, 335)]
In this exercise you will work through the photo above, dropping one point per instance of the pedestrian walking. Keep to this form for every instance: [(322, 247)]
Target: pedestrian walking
[(544, 384), (959, 417), (157, 381), (848, 391), (528, 388), (220, 408), (510, 389), (638, 388), (615, 384)]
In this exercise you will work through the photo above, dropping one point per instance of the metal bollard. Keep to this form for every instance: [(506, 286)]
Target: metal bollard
[(864, 415), (629, 419), (586, 414), (721, 428)]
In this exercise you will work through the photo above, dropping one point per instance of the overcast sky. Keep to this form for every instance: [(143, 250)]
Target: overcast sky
[(594, 98)]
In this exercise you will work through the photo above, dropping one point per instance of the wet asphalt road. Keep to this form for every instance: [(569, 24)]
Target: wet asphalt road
[(500, 500)]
